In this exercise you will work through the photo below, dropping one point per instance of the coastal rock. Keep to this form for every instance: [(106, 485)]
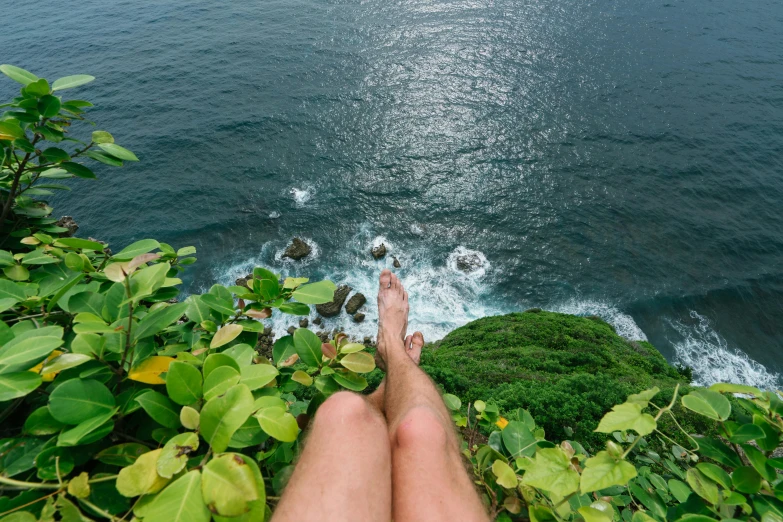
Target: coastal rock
[(106, 250), (303, 323), (396, 263), (323, 336), (469, 262), (297, 249), (318, 321), (244, 281), (358, 317), (356, 301), (291, 329), (333, 308), (379, 251), (69, 223)]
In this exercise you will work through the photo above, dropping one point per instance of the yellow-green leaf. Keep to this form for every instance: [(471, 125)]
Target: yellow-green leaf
[(603, 471), (627, 416), (551, 471), (228, 485), (505, 475), (141, 477), (359, 362), (225, 335), (150, 369)]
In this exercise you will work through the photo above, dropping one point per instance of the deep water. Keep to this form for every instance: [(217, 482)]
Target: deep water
[(622, 159)]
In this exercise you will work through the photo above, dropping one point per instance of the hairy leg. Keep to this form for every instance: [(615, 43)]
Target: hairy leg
[(413, 345), (344, 473), (429, 481)]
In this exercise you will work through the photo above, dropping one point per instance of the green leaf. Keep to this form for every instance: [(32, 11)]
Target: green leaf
[(104, 158), (160, 408), (650, 499), (225, 335), (518, 439), (702, 485), (122, 454), (315, 293), (715, 473), (627, 416), (643, 398), (216, 360), (735, 388), (77, 400), (220, 305), (599, 511), (141, 477), (79, 170), (49, 106), (40, 422), (229, 485), (359, 362), (604, 470), (134, 249), (19, 384), (350, 380), (746, 433), (281, 350), (197, 310), (223, 415), (175, 454), (708, 403), (182, 501), (452, 402), (79, 244), (219, 381), (156, 321), (505, 475), (759, 461), (269, 285), (184, 384), (551, 471), (69, 82), (189, 417), (746, 480), (718, 451), (10, 131), (308, 346), (29, 348), (146, 281), (100, 136), (679, 489), (278, 423), (64, 362), (18, 75), (258, 375), (118, 152), (88, 431)]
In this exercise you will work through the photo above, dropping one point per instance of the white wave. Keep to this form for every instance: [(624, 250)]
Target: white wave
[(713, 360), (417, 230), (301, 196), (274, 214), (623, 323)]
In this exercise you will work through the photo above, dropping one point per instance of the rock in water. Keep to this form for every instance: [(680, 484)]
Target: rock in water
[(245, 281), (69, 223), (469, 262), (333, 308), (297, 249), (318, 321), (379, 251), (396, 263), (359, 317), (356, 301), (303, 323)]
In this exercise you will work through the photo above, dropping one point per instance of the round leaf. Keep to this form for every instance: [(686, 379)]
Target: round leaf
[(278, 423), (150, 369), (76, 400), (182, 501), (175, 454), (228, 485), (183, 383), (359, 362), (225, 335)]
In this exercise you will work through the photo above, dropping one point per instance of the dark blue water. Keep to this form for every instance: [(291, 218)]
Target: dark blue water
[(614, 158)]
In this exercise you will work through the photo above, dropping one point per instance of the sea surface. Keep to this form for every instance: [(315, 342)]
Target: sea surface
[(617, 158)]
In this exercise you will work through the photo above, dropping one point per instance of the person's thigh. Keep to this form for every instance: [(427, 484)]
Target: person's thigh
[(344, 472), (429, 480)]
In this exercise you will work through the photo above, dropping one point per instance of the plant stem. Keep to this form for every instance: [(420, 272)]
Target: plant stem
[(15, 184), (28, 485), (95, 508), (130, 325), (658, 416)]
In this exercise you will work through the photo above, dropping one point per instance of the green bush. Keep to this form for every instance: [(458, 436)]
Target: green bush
[(566, 370), (117, 400)]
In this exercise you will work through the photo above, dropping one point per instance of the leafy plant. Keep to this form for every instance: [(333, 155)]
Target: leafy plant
[(116, 399), (643, 474)]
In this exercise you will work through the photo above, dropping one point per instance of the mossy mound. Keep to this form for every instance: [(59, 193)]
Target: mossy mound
[(568, 371)]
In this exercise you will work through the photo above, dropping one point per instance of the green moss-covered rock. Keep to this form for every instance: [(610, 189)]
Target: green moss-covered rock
[(568, 371)]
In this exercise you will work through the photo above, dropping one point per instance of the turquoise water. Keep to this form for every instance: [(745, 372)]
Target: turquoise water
[(613, 158)]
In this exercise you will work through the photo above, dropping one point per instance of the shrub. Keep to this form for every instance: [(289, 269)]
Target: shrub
[(116, 399)]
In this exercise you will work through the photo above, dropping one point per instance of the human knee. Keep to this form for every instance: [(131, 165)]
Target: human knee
[(421, 426), (345, 408)]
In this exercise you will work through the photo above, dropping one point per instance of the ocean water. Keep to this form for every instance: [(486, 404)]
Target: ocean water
[(623, 159)]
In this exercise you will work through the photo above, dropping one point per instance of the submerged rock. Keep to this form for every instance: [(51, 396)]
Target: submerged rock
[(69, 223), (297, 249), (469, 262), (245, 281), (333, 307), (303, 323), (396, 263), (318, 321), (379, 251), (358, 317), (356, 301)]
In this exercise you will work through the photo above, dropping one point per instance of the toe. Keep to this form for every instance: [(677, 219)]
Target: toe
[(407, 342), (386, 278), (417, 340)]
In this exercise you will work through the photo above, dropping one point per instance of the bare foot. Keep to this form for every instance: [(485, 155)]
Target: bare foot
[(392, 316), (413, 345)]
